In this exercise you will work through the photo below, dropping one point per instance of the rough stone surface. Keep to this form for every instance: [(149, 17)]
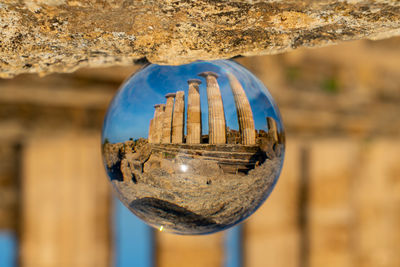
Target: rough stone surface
[(45, 36), (203, 198)]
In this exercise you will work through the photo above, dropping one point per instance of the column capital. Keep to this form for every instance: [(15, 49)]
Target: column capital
[(170, 95), (208, 73), (159, 106), (194, 81)]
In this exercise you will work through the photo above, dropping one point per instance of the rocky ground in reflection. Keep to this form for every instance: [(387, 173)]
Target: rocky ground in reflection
[(188, 194)]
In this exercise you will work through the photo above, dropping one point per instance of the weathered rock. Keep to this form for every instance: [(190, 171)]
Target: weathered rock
[(200, 180), (126, 170), (45, 36), (113, 152)]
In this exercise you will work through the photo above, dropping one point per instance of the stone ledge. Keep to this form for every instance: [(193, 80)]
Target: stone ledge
[(46, 36)]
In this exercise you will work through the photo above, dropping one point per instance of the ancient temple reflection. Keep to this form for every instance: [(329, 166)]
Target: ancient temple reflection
[(191, 177), (167, 125), (235, 151)]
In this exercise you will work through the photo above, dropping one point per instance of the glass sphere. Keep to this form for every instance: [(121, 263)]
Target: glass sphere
[(193, 149)]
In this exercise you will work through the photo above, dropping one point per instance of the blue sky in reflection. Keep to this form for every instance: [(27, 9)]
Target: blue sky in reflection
[(132, 108)]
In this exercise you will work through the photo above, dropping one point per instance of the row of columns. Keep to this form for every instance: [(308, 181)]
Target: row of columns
[(167, 125)]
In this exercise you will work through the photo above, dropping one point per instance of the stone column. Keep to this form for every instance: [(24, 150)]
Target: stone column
[(272, 129), (152, 128), (167, 123), (178, 118), (194, 113), (244, 113), (46, 240), (216, 116), (158, 122), (150, 138)]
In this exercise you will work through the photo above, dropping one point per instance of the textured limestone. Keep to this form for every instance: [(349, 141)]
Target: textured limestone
[(178, 118), (194, 113), (167, 123), (244, 113), (216, 115), (272, 130), (152, 130), (44, 36), (159, 122), (204, 197)]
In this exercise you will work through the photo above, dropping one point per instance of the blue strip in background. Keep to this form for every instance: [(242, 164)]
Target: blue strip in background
[(134, 240), (234, 247), (8, 249)]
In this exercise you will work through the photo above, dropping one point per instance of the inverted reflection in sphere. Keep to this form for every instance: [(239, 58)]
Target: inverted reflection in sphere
[(193, 149)]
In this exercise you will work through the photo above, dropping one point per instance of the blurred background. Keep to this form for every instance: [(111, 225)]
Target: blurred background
[(337, 202)]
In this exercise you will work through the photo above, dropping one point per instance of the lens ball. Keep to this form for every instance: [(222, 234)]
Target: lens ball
[(193, 149)]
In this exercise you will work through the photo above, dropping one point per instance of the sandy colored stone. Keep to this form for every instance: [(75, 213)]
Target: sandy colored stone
[(194, 251), (152, 130), (330, 209), (178, 118), (159, 121), (193, 188), (63, 35), (273, 234), (65, 206), (194, 113), (167, 122), (216, 115), (272, 130), (244, 113)]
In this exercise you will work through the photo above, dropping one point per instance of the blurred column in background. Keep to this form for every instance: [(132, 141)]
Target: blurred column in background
[(376, 188), (194, 251), (271, 235), (10, 153), (333, 167), (65, 203)]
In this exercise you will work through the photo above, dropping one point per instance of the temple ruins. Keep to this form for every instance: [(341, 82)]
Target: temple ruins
[(168, 123)]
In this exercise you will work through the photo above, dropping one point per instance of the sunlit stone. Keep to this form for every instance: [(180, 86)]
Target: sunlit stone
[(193, 149)]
